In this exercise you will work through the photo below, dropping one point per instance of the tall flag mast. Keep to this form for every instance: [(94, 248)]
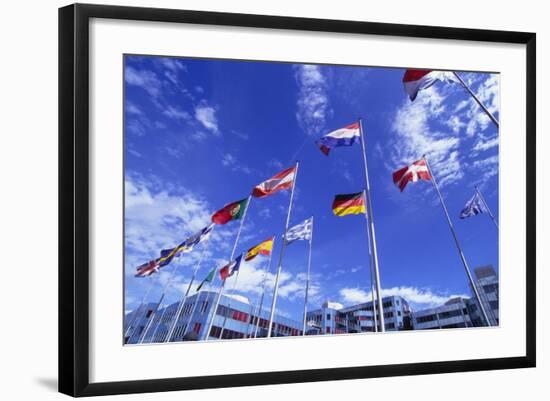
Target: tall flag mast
[(370, 223), (137, 311), (261, 304), (183, 301), (462, 257), (374, 318), (307, 277), (228, 210), (279, 267), (491, 117)]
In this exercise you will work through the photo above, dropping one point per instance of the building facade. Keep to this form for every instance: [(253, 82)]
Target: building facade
[(234, 319)]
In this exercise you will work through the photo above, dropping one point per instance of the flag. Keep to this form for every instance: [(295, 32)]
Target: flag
[(282, 180), (263, 248), (349, 204), (473, 207), (146, 269), (347, 136), (208, 279), (230, 268), (231, 211), (416, 80), (166, 255), (300, 231), (416, 171)]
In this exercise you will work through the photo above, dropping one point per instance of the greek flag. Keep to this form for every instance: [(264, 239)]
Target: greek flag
[(300, 231), (473, 207)]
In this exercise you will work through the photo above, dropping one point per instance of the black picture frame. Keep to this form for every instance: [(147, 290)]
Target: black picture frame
[(74, 198)]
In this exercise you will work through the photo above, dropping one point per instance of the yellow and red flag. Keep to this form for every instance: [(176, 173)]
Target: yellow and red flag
[(263, 248)]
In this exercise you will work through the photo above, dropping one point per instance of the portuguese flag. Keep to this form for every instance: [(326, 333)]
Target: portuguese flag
[(231, 211), (349, 204)]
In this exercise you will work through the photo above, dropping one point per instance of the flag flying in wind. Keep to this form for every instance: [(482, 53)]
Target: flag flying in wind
[(416, 171), (416, 80), (230, 268), (473, 207), (346, 136), (282, 180), (263, 248), (231, 211), (146, 269), (349, 204), (208, 279), (300, 231), (166, 255)]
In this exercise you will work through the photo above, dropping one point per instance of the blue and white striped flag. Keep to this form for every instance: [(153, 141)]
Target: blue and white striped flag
[(473, 207), (300, 231)]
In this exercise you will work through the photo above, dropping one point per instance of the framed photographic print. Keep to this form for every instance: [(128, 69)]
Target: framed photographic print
[(249, 199)]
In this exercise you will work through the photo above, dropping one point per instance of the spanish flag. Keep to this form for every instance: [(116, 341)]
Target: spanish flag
[(263, 248), (349, 204)]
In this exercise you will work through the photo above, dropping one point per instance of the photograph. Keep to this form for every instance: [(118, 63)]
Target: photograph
[(271, 199)]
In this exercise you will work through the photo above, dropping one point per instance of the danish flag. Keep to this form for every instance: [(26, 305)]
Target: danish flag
[(416, 171)]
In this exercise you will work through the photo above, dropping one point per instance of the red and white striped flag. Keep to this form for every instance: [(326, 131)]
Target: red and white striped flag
[(416, 80), (283, 180), (416, 171)]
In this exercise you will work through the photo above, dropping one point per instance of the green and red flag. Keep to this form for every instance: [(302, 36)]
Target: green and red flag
[(231, 211)]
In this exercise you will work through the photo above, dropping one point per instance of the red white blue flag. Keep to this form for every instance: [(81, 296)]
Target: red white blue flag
[(416, 80), (347, 136)]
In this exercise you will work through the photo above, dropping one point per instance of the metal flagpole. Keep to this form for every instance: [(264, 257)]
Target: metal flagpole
[(131, 323), (307, 279), (150, 322), (487, 207), (146, 305), (186, 330), (462, 257), (182, 302), (279, 267), (236, 278), (491, 117), (370, 223), (230, 260), (375, 320), (267, 270)]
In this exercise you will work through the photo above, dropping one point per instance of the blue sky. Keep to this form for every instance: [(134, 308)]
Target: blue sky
[(202, 133)]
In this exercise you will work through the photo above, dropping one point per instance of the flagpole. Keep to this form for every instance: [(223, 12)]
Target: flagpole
[(238, 272), (267, 269), (370, 223), (165, 289), (491, 117), (146, 306), (186, 330), (279, 267), (375, 320), (307, 278), (462, 257), (230, 260), (145, 296), (182, 302), (487, 207)]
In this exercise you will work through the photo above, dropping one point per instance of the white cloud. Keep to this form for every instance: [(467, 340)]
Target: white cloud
[(131, 108), (485, 144), (414, 137), (231, 162), (418, 298), (145, 79), (176, 113), (313, 103), (206, 115)]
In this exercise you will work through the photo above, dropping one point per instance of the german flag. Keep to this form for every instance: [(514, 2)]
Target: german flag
[(349, 204)]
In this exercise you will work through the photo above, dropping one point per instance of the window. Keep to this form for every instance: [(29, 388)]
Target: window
[(197, 328), (493, 304), (390, 326), (398, 313), (427, 318), (328, 316), (149, 313), (451, 313)]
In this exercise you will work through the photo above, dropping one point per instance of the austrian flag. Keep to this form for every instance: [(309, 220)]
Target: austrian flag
[(416, 80), (416, 171), (283, 180)]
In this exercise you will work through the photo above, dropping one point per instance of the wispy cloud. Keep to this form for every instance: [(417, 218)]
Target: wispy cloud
[(417, 297), (206, 115), (145, 79), (313, 102), (176, 113)]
